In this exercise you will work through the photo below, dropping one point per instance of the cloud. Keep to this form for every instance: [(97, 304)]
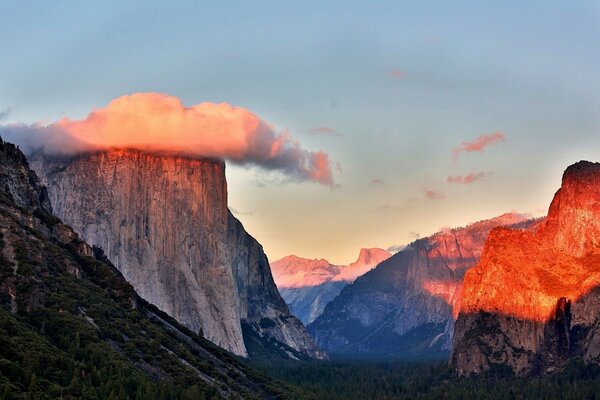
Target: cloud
[(479, 144), (414, 235), (159, 122), (398, 73), (395, 248), (5, 113), (377, 182), (434, 194), (240, 213), (466, 179), (324, 130)]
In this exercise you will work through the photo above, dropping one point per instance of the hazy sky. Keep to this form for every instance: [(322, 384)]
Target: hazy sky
[(386, 89)]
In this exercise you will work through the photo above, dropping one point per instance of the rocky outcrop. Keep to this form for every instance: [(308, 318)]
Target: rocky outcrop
[(309, 285), (163, 221), (532, 302), (404, 307)]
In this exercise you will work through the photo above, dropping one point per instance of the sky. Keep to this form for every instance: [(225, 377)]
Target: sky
[(431, 114)]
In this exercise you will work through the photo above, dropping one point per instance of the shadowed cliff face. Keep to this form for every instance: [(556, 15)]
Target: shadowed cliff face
[(531, 302), (404, 307), (163, 221)]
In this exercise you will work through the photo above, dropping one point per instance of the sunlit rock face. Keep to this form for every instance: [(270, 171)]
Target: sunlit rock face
[(309, 285), (404, 307), (296, 272), (163, 221), (532, 302)]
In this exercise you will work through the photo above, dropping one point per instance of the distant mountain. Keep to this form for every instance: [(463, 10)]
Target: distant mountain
[(308, 285), (296, 272), (72, 327), (404, 307), (163, 220), (366, 261), (533, 301)]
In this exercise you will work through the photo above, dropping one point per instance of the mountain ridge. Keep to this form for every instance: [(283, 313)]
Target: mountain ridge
[(405, 306)]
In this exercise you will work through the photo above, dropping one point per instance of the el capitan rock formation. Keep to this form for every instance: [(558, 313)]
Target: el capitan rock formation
[(309, 285), (533, 300), (404, 307), (163, 221), (69, 315)]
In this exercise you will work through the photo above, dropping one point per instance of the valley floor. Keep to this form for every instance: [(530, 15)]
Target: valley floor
[(383, 380)]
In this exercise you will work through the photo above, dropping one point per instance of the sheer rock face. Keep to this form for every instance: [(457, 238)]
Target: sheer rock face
[(533, 301), (163, 221), (404, 307)]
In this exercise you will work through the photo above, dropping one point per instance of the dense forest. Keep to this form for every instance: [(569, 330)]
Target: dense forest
[(384, 380)]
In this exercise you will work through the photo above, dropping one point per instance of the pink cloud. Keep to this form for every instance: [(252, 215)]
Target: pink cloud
[(322, 129), (159, 122), (434, 194), (398, 73), (479, 144), (377, 182), (466, 179)]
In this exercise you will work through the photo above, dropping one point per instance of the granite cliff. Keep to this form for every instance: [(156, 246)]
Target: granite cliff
[(533, 300), (404, 307), (71, 324), (309, 285), (163, 221)]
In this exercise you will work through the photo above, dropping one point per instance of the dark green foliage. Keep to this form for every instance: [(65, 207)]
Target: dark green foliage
[(379, 380)]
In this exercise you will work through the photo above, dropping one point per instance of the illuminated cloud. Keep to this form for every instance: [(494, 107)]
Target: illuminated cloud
[(466, 179), (398, 73), (479, 144), (377, 182), (158, 122), (434, 194)]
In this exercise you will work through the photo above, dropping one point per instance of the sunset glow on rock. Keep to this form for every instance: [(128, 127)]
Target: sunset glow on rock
[(525, 273)]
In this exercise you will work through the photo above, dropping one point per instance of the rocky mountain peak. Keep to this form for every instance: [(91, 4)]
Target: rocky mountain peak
[(369, 256), (573, 221), (367, 260)]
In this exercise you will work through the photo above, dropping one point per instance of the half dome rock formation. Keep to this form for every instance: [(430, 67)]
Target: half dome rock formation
[(309, 285), (366, 261), (404, 307), (163, 221), (533, 301)]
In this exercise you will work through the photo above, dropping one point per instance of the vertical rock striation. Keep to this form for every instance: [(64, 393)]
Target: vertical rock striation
[(163, 221), (532, 302)]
